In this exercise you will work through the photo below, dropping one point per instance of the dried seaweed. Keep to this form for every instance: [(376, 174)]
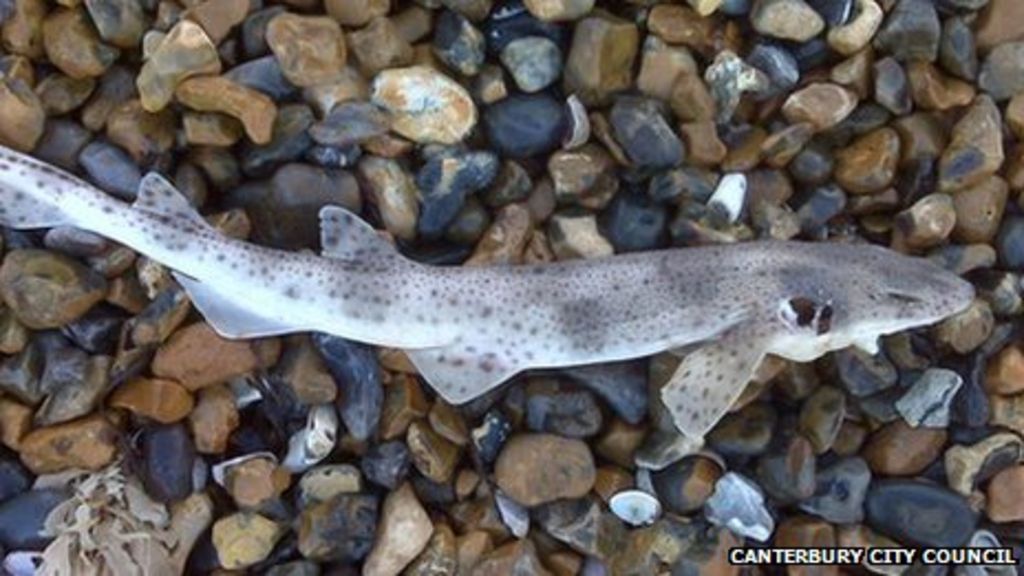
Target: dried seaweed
[(109, 526)]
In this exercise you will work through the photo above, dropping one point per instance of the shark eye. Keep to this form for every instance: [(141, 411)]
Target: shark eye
[(801, 312)]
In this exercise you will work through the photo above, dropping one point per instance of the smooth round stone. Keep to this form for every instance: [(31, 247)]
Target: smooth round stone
[(458, 43), (869, 164), (164, 401), (1004, 502), (1002, 74), (525, 126), (786, 19), (899, 450), (911, 31), (635, 507), (73, 46), (840, 492), (641, 130), (386, 464), (600, 61), (634, 223), (851, 37), (447, 119), (48, 290), (917, 513), (61, 143), (957, 51), (927, 222), (534, 469), (22, 518), (535, 62), (111, 168), (510, 20), (822, 104), (561, 409), (168, 456)]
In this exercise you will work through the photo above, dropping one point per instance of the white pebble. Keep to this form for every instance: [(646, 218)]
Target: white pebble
[(731, 194), (635, 507)]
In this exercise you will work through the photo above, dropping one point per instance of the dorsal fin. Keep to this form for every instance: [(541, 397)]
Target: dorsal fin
[(158, 196), (345, 236)]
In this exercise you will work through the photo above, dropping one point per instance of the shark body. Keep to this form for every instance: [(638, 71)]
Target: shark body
[(469, 329)]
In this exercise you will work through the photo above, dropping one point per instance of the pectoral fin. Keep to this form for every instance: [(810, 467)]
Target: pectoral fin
[(461, 373), (709, 380), (227, 317)]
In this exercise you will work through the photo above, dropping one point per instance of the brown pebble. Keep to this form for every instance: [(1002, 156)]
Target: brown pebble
[(1004, 495), (310, 49), (691, 101), (927, 223), (930, 89), (218, 17), (979, 210), (89, 443), (255, 482), (1000, 21), (22, 31), (975, 150), (536, 468), (822, 104), (869, 164), (807, 532), (197, 357), (253, 109), (15, 422), (73, 46), (702, 143), (185, 51), (379, 46), (922, 135), (211, 129), (213, 420), (678, 24), (434, 456), (403, 532), (355, 12), (399, 91), (48, 290), (899, 450), (161, 400), (600, 61), (404, 402), (1004, 373), (22, 118), (144, 135)]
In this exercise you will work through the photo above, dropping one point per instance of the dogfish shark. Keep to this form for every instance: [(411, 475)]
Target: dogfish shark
[(469, 329)]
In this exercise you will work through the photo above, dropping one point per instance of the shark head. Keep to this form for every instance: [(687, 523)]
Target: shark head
[(850, 295)]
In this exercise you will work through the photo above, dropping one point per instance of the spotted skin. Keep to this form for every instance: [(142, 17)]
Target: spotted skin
[(468, 329)]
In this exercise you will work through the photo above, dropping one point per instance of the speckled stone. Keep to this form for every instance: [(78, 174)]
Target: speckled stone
[(447, 120), (90, 443)]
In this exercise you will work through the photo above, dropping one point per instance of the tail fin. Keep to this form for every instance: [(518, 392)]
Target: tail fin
[(31, 192)]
